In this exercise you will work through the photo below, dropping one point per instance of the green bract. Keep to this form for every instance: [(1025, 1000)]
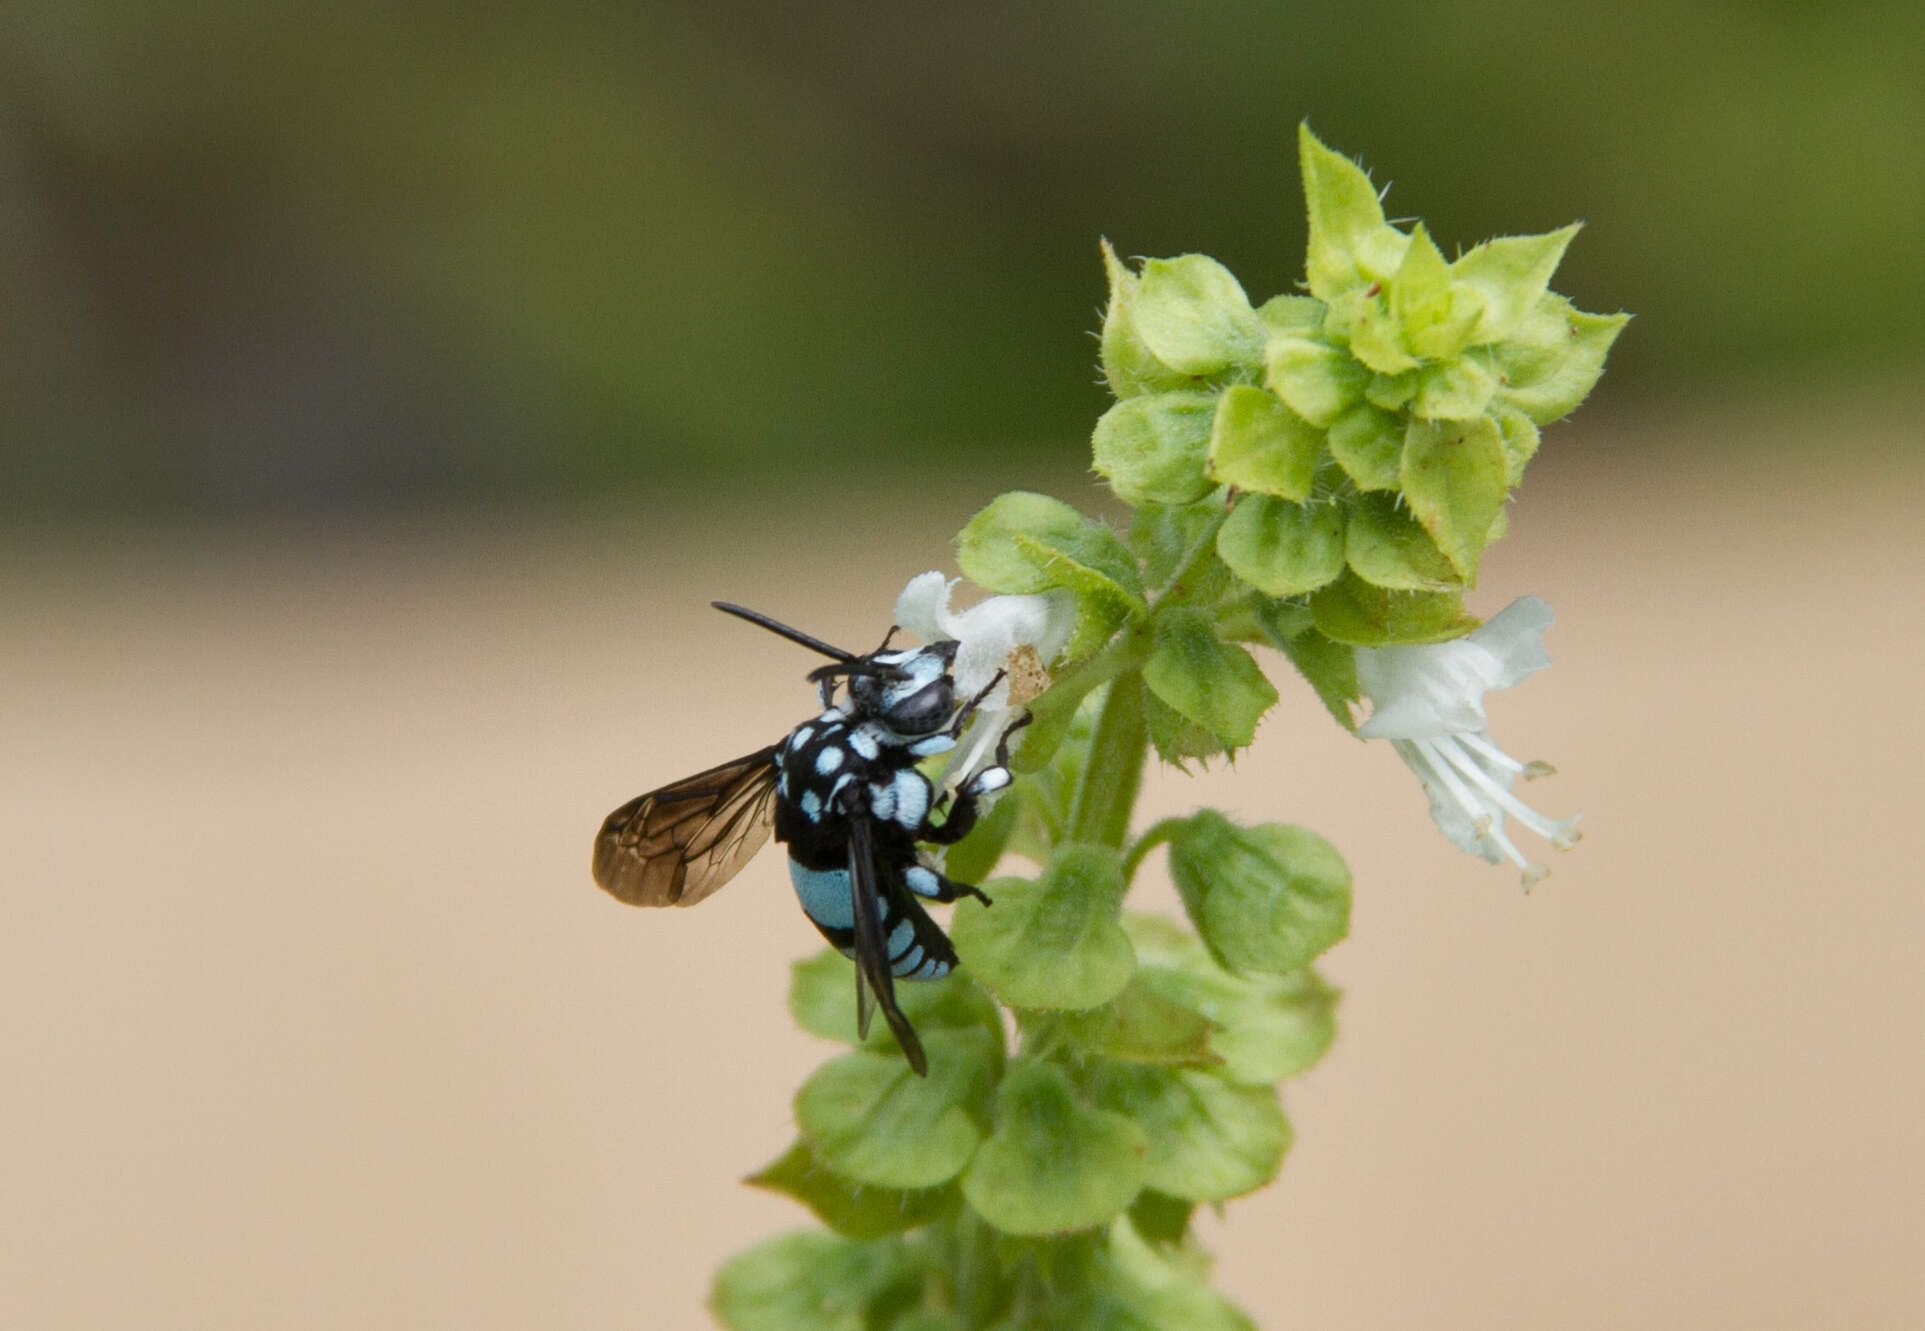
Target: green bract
[(1055, 942), (1267, 898), (1156, 449), (873, 1120), (809, 1281), (1054, 1163)]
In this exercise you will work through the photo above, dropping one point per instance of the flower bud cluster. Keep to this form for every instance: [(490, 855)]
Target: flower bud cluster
[(1366, 435)]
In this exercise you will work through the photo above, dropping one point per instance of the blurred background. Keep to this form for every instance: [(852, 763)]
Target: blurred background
[(384, 394)]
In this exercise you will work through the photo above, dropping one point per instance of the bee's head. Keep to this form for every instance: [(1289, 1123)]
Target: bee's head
[(908, 691)]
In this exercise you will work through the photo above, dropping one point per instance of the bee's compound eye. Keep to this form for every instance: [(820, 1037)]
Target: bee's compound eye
[(927, 709)]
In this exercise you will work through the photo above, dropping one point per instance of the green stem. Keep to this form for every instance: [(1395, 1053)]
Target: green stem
[(1113, 772), (1158, 833)]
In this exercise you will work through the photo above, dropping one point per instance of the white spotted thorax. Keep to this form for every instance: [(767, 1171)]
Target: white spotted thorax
[(1018, 635), (1428, 701)]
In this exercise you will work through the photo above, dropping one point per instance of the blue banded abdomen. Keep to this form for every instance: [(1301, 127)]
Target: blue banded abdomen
[(824, 894)]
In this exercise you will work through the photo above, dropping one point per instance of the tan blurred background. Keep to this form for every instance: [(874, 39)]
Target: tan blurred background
[(383, 401)]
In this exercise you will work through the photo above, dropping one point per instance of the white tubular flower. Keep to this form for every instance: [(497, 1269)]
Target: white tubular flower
[(1428, 701), (1019, 635)]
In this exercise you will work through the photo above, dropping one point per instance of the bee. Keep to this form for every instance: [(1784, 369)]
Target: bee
[(843, 793)]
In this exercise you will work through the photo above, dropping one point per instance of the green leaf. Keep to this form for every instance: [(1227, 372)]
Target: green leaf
[(1317, 381), (1364, 320), (1161, 1218), (1162, 535), (1281, 548), (1347, 245), (1142, 1026), (1175, 737), (1024, 542), (1193, 316), (1288, 316), (1132, 1287), (870, 1118), (853, 1210), (1054, 1163), (1156, 448), (1053, 943), (1264, 1027), (1216, 684), (809, 1281), (1423, 304), (1507, 277), (1520, 436), (1329, 667), (822, 999), (1268, 898), (1368, 443), (1456, 390), (1553, 359), (1387, 548), (1209, 1141), (1456, 479), (1257, 443), (1129, 366), (1351, 610)]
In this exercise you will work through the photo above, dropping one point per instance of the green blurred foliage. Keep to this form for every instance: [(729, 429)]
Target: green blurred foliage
[(269, 252)]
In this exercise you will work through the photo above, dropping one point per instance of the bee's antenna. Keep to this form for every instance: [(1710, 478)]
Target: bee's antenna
[(793, 635)]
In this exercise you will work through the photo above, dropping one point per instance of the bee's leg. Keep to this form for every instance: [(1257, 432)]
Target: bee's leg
[(926, 882), (962, 817)]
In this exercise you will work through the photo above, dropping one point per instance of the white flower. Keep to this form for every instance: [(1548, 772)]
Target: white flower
[(991, 635), (1428, 701)]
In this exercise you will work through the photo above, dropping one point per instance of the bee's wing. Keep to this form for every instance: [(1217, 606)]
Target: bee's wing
[(873, 973), (676, 845)]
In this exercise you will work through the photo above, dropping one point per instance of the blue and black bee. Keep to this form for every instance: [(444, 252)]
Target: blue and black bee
[(843, 792)]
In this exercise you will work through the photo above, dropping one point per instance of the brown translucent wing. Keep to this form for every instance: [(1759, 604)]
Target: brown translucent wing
[(676, 845)]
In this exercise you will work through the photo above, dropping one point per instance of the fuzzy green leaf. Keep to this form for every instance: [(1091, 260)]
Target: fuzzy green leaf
[(1054, 1163), (1351, 610), (1348, 247), (1209, 1141), (822, 999), (1215, 684), (1553, 358), (1430, 320), (1507, 277), (1156, 449), (1387, 548), (1290, 316), (1129, 366), (1257, 443), (1024, 542), (1456, 478), (1053, 943), (1176, 738), (809, 1281), (1140, 1025), (1192, 315), (1457, 390), (1281, 548), (1317, 381), (1132, 1287), (1162, 536), (853, 1210), (872, 1119), (1265, 899), (1368, 443), (1264, 1027), (1363, 320), (1520, 436), (1329, 667)]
